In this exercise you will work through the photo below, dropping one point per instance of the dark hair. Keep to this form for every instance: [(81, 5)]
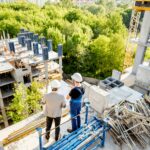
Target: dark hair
[(54, 89)]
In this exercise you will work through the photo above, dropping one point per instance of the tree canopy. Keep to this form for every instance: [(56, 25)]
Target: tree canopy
[(93, 36)]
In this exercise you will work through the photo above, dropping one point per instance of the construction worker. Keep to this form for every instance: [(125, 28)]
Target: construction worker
[(75, 97), (53, 109)]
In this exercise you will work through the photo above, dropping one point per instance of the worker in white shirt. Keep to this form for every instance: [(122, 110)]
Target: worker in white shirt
[(53, 109)]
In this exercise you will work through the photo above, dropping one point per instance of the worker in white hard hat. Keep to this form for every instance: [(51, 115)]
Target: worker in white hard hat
[(75, 97), (54, 104)]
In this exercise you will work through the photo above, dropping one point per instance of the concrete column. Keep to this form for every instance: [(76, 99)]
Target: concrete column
[(144, 34), (3, 110)]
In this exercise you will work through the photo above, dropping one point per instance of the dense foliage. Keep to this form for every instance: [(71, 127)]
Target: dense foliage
[(93, 36), (26, 101)]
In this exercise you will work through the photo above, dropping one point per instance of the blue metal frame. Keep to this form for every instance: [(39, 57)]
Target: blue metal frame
[(86, 114), (72, 140), (39, 130)]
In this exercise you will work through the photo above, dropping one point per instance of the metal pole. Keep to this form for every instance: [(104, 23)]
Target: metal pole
[(46, 74), (104, 136), (86, 114), (3, 110), (39, 130)]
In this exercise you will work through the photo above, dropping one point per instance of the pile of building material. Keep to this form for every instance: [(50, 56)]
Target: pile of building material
[(130, 122)]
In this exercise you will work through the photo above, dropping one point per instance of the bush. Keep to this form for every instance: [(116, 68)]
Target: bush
[(18, 109), (25, 101)]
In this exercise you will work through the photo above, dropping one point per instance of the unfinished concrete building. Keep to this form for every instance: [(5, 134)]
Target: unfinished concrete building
[(24, 60)]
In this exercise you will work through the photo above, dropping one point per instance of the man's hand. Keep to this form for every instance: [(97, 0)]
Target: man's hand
[(68, 97)]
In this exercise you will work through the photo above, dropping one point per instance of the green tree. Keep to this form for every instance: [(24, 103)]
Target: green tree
[(104, 55), (97, 56), (114, 24), (77, 28), (26, 101), (73, 15), (10, 26), (109, 5), (99, 26), (55, 35), (34, 96), (18, 109), (96, 9), (126, 15)]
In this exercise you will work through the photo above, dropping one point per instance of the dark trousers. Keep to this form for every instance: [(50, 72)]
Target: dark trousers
[(75, 109), (49, 122)]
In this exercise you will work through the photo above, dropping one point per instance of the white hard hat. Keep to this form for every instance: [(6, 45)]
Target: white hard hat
[(77, 77), (55, 84)]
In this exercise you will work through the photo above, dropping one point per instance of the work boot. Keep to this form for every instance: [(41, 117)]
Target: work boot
[(69, 130), (57, 138), (47, 137)]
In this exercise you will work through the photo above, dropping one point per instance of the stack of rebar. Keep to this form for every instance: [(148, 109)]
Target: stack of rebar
[(130, 122)]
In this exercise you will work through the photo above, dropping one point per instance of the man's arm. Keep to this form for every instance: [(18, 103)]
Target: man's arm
[(43, 100), (68, 97)]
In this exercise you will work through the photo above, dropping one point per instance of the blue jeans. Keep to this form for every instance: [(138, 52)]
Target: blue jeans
[(75, 108)]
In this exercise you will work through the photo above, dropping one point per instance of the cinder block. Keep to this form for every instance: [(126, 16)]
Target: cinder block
[(143, 74), (111, 79), (112, 85), (118, 83), (104, 84), (98, 99)]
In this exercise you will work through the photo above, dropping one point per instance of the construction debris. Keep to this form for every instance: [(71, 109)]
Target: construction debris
[(130, 122)]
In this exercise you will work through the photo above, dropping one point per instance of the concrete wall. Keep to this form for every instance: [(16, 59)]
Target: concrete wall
[(17, 75), (143, 74)]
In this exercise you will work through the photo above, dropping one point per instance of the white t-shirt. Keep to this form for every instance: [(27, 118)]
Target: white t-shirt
[(54, 104)]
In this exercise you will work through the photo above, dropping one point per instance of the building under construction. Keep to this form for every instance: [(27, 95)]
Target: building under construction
[(116, 112), (25, 59)]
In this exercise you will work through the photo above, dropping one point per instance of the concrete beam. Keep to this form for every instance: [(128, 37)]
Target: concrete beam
[(144, 35), (3, 110)]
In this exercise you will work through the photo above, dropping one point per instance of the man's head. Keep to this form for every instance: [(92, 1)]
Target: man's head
[(77, 78), (55, 85)]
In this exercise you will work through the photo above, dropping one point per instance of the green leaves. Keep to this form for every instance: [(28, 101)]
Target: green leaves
[(25, 101), (73, 15), (34, 97), (18, 109), (93, 36), (55, 35), (104, 55)]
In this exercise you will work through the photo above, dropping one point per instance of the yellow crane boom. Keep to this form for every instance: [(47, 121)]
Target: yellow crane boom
[(142, 5)]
